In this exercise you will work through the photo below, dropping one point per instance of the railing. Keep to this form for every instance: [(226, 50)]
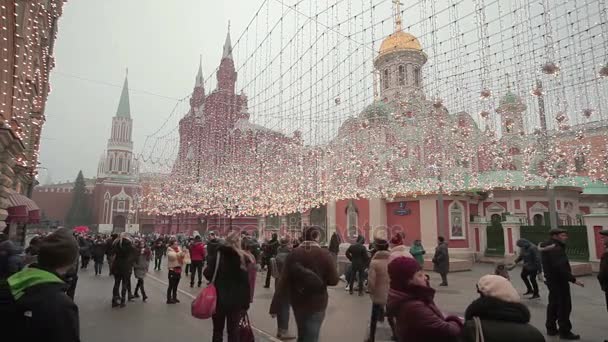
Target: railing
[(577, 246)]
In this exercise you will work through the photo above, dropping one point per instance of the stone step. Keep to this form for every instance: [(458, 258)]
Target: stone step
[(456, 265)]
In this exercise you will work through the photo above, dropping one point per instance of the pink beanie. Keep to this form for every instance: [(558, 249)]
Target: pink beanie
[(401, 271), (498, 287)]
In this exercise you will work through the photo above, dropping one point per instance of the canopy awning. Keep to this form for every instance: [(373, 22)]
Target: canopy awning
[(22, 209)]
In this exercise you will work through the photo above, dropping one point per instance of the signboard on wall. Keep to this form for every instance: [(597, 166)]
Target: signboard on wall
[(403, 210)]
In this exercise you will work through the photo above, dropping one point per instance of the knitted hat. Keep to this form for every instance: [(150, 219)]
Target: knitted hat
[(59, 249), (498, 287), (401, 271)]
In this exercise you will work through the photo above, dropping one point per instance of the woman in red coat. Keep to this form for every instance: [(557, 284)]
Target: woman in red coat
[(410, 300)]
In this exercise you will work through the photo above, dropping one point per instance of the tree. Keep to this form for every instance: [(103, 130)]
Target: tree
[(80, 211)]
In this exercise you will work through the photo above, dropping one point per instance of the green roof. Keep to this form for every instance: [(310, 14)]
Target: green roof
[(378, 109), (124, 108)]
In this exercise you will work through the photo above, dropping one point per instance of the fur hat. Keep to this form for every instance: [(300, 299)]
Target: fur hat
[(59, 249), (397, 240), (498, 287), (401, 271)]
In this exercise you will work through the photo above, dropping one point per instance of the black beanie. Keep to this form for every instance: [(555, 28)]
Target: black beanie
[(58, 249)]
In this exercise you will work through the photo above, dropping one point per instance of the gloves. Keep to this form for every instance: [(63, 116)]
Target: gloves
[(455, 319)]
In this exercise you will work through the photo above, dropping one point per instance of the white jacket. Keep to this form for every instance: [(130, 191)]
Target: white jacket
[(174, 259)]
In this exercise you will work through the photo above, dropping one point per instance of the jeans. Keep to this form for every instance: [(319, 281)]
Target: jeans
[(219, 319), (140, 286), (174, 278), (98, 266), (356, 270), (559, 307), (309, 325), (122, 282), (197, 266), (529, 278), (157, 262)]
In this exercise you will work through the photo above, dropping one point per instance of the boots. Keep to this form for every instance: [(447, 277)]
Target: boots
[(284, 335)]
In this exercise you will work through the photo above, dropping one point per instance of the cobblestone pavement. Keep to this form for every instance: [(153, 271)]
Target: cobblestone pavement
[(346, 320)]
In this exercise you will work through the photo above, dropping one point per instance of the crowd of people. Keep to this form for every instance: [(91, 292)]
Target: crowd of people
[(39, 283)]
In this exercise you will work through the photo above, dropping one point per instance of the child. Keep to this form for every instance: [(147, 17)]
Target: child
[(501, 270)]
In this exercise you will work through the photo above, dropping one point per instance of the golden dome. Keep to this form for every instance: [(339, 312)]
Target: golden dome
[(399, 41)]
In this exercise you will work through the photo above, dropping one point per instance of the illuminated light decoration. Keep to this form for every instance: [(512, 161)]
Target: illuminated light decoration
[(484, 114), (550, 68), (536, 91), (587, 112), (485, 94), (603, 72)]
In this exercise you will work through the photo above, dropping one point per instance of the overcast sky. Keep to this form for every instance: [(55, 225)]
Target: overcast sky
[(159, 41)]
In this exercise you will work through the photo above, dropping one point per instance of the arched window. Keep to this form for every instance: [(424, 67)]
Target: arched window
[(120, 164), (386, 79), (496, 220), (352, 218), (457, 228), (417, 76), (128, 165), (537, 220), (401, 75), (111, 162)]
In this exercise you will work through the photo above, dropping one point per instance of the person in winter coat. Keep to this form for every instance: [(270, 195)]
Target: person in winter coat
[(602, 276), (397, 247), (140, 268), (197, 255), (530, 256), (359, 258), (213, 244), (334, 245), (85, 251), (410, 300), (175, 262), (110, 251), (502, 316), (270, 251), (417, 251), (159, 250), (378, 285), (98, 251), (558, 275), (122, 266), (187, 260), (10, 257), (278, 266), (232, 284), (41, 311), (307, 272), (441, 260)]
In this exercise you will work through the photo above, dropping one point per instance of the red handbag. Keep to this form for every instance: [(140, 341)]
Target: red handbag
[(204, 305), (245, 331)]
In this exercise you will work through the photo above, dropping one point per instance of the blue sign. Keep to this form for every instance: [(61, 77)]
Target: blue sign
[(402, 210)]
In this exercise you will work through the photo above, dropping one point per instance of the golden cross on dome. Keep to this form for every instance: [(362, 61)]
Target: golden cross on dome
[(397, 14)]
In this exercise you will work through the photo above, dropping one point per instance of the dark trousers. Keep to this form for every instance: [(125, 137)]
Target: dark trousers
[(268, 275), (122, 286), (356, 271), (174, 278), (230, 320), (197, 266), (378, 315), (529, 278), (98, 266), (559, 307), (188, 269), (157, 261), (71, 291), (444, 278), (140, 286), (85, 261)]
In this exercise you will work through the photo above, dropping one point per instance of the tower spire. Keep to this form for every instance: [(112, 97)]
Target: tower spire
[(199, 76), (397, 15), (227, 45), (124, 107)]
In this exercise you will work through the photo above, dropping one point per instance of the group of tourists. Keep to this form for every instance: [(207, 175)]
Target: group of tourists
[(36, 302)]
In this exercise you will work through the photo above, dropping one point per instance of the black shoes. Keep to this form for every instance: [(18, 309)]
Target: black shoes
[(552, 332), (443, 284), (569, 336), (535, 296), (134, 296), (529, 292), (171, 301), (144, 298)]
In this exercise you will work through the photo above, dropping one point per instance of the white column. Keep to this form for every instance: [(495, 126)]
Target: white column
[(428, 222), (377, 215), (331, 218)]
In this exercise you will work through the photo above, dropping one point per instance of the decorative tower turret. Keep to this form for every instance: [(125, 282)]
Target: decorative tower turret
[(399, 63), (226, 75)]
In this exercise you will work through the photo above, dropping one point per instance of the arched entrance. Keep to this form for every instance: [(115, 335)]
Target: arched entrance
[(318, 218), (119, 222)]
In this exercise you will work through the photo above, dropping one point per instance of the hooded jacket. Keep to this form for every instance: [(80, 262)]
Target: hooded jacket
[(419, 319), (530, 255), (231, 282), (501, 321), (48, 313)]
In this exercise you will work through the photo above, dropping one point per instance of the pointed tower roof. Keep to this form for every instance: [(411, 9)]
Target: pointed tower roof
[(124, 108), (199, 76), (227, 45)]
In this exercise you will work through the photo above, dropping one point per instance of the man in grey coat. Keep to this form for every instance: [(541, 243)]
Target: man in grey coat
[(441, 260)]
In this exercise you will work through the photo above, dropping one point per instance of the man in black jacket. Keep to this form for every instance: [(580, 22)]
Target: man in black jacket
[(558, 275), (359, 258), (603, 275), (33, 304), (270, 251)]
